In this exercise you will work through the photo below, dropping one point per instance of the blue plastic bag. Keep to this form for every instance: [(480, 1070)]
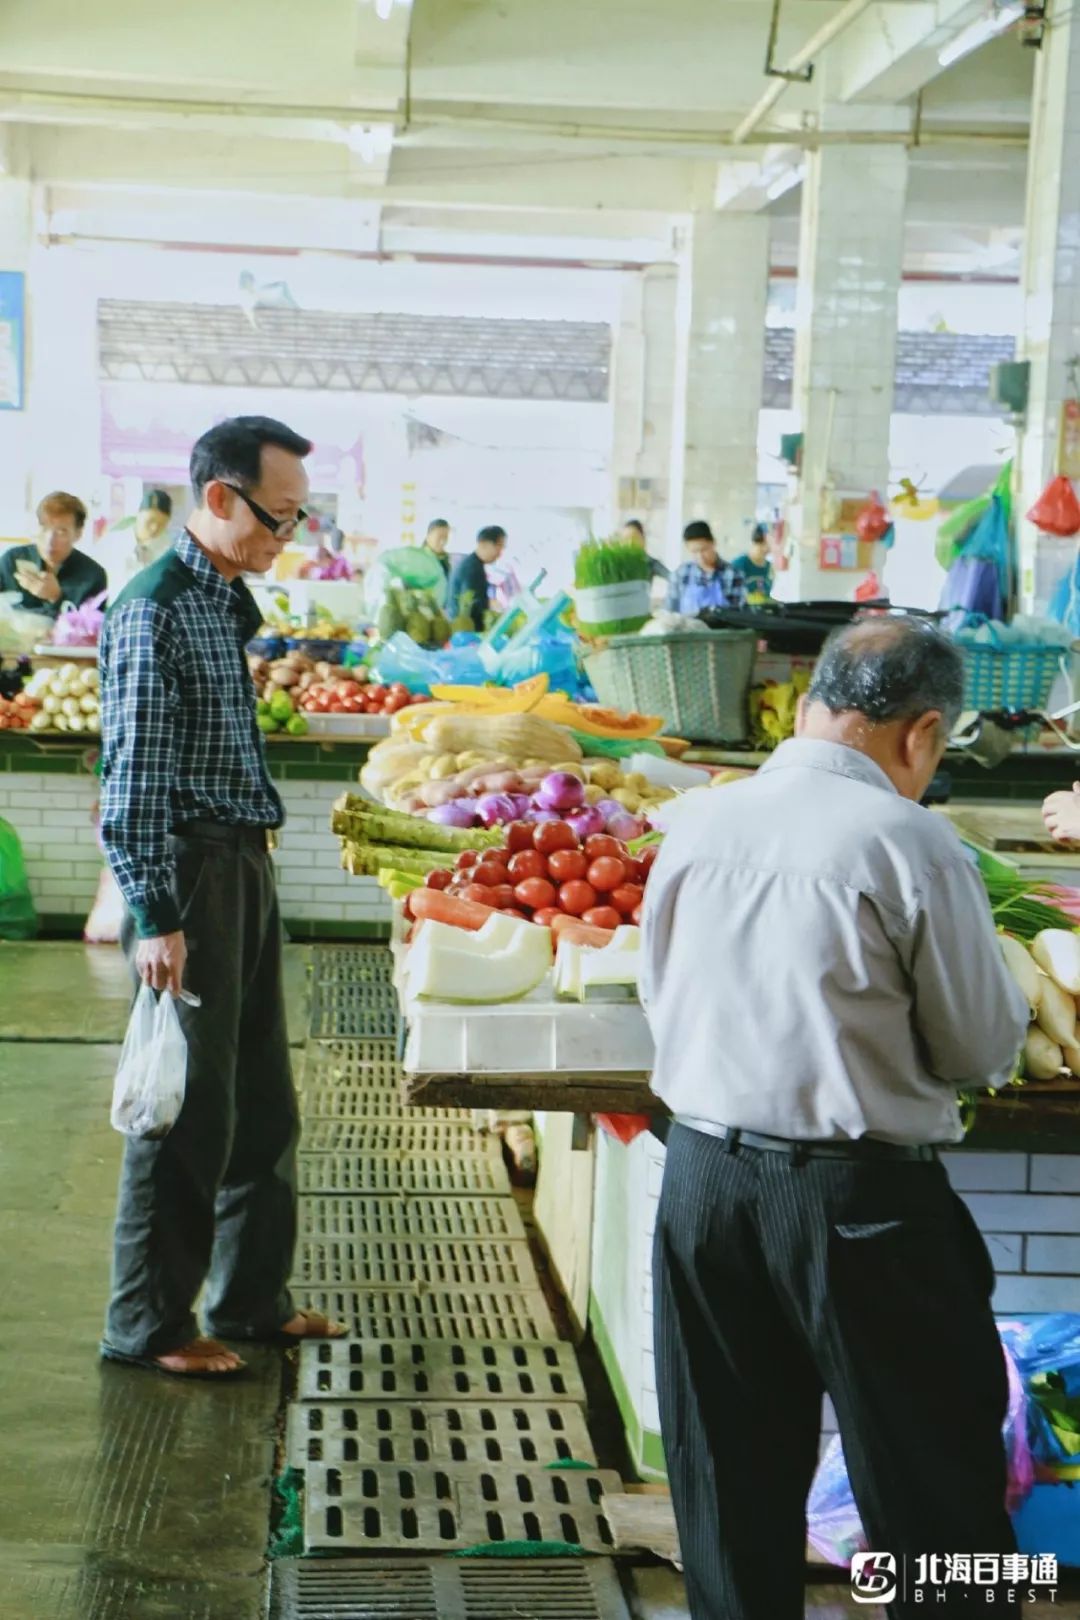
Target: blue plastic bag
[(1047, 1351), (420, 668), (972, 585)]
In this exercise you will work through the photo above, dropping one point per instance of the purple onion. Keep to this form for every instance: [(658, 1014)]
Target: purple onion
[(625, 826), (496, 809), (586, 822), (610, 807), (458, 813), (561, 791), (537, 813)]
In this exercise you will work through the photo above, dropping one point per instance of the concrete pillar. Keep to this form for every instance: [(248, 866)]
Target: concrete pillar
[(16, 238), (1050, 339), (728, 283), (850, 263), (643, 400), (65, 421)]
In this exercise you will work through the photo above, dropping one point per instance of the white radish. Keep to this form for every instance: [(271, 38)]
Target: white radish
[(1043, 1059), (1057, 952), (1056, 1016), (1023, 969)]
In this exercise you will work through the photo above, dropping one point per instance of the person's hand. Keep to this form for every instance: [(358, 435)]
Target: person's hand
[(1061, 813), (160, 962), (39, 582)]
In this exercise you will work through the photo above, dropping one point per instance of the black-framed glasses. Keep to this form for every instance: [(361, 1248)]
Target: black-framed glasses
[(280, 528)]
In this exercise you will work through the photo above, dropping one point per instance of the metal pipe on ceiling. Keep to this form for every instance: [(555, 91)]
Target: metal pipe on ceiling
[(802, 58), (50, 106)]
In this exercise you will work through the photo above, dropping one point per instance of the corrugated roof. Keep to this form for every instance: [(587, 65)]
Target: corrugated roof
[(376, 353), (937, 373)]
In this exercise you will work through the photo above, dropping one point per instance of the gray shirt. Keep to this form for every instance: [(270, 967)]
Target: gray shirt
[(819, 959)]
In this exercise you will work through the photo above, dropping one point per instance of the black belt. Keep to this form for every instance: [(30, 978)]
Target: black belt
[(219, 832), (857, 1148)]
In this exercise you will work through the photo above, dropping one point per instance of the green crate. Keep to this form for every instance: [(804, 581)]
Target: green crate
[(696, 680)]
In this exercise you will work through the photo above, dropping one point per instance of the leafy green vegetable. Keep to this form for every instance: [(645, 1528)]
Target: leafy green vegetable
[(610, 562)]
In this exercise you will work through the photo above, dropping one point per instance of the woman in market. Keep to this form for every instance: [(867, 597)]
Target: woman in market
[(705, 580), (754, 565), (634, 533), (437, 541), (51, 572)]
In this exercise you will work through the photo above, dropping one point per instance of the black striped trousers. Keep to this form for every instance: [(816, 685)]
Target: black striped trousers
[(776, 1280)]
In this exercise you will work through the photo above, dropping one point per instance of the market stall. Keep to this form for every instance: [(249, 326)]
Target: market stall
[(494, 1019)]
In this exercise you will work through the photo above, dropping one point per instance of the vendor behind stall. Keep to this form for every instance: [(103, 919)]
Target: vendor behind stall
[(135, 542), (50, 571), (705, 580), (470, 575), (633, 532), (754, 565), (437, 540)]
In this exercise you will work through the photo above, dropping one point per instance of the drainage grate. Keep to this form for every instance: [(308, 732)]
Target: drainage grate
[(345, 1370), (371, 1102), (353, 964), (437, 1313), (446, 1589), (414, 1136), (426, 1507), (340, 1432), (460, 1219), (367, 1011), (412, 1263), (401, 1173), (351, 1063)]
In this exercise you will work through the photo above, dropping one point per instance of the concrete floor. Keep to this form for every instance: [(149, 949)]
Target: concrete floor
[(125, 1496)]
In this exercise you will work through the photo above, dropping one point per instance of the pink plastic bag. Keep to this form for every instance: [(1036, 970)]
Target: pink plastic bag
[(81, 626), (833, 1523)]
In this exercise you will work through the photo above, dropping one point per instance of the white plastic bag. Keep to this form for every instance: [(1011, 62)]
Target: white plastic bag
[(148, 1092)]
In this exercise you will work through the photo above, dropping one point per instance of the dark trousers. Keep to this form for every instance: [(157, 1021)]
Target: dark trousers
[(214, 1202), (778, 1280)]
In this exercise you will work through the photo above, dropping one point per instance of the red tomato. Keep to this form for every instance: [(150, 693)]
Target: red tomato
[(378, 692), (512, 911), (353, 705), (577, 897), (602, 917), (566, 865), (526, 864), (349, 688), (546, 916), (602, 847), (467, 858), (552, 835), (395, 702), (399, 689), (647, 858), (478, 892), (323, 703), (490, 873), (503, 896), (335, 706), (606, 874), (636, 918), (627, 898), (438, 880), (536, 893), (519, 836)]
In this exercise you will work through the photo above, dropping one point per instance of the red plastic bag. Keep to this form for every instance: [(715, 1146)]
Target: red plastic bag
[(873, 521), (868, 589), (623, 1127), (1057, 510)]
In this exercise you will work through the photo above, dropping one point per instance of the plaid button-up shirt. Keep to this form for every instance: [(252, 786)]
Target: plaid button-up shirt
[(178, 732), (692, 589)]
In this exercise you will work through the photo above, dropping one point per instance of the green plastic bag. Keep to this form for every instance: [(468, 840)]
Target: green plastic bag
[(955, 530), (18, 919)]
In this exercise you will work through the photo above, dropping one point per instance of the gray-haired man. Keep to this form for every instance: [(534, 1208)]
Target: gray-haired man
[(808, 1239)]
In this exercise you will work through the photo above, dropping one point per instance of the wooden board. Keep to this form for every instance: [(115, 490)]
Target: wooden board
[(557, 1093), (1005, 828)]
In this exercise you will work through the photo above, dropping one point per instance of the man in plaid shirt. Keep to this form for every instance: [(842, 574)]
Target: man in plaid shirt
[(187, 810)]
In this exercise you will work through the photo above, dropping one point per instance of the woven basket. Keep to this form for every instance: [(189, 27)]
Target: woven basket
[(1009, 677), (697, 680)]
